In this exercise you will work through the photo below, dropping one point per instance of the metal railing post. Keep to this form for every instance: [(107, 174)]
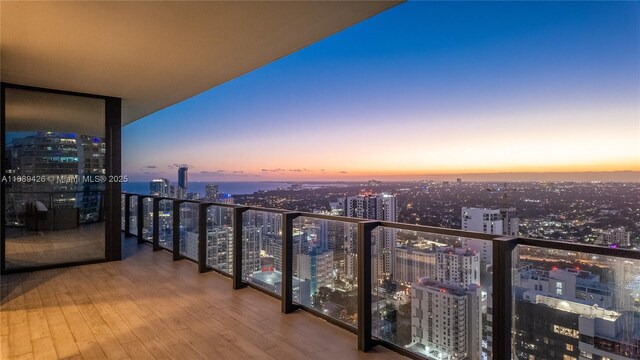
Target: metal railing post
[(156, 224), (140, 219), (176, 230), (202, 237), (503, 249), (127, 205), (365, 341), (237, 247), (287, 262)]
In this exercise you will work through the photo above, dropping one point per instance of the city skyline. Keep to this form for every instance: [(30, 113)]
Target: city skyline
[(557, 92)]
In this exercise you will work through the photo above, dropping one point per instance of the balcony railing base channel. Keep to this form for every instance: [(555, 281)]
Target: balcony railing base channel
[(502, 248)]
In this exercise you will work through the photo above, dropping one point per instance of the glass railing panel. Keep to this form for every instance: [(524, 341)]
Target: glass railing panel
[(262, 249), (165, 224), (133, 215), (575, 305), (188, 218), (123, 202), (432, 293), (325, 267), (147, 219), (220, 238)]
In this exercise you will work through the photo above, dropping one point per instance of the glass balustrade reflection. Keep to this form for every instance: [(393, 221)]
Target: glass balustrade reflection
[(262, 249), (325, 267), (575, 305), (165, 224), (147, 219), (432, 293), (123, 202), (133, 214), (220, 238), (188, 218)]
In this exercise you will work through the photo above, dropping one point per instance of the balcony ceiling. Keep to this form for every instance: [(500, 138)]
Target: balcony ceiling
[(155, 54)]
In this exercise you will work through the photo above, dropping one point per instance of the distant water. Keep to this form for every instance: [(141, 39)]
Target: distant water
[(232, 188)]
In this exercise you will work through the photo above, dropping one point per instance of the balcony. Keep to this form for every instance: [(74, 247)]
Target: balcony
[(205, 233), (159, 277), (147, 306)]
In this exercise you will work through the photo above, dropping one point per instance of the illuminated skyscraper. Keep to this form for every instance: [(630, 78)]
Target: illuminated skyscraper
[(375, 207), (457, 266), (183, 178), (211, 192), (159, 187), (72, 160), (446, 320)]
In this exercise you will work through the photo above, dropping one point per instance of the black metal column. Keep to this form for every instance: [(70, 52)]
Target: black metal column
[(176, 230), (237, 248), (112, 195), (287, 262), (155, 239), (202, 237), (365, 341), (503, 249)]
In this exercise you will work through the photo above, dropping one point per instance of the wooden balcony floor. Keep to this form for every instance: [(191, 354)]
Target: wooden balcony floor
[(148, 306)]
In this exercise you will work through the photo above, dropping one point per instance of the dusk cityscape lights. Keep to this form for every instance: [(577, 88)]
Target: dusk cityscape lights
[(431, 180)]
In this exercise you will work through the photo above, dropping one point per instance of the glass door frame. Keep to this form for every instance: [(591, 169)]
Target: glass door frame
[(113, 126)]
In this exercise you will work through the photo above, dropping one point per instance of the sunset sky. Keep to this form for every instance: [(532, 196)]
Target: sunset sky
[(424, 88)]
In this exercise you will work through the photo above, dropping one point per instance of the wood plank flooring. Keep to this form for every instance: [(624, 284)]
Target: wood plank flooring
[(150, 307)]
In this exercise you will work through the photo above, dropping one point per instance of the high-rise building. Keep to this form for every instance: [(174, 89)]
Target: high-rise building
[(550, 328), (251, 239), (219, 249), (70, 163), (446, 320), (566, 314), (370, 206), (177, 192), (619, 236), (225, 199), (491, 221), (413, 264), (375, 207), (183, 177), (457, 266), (487, 221), (510, 221), (192, 196), (447, 302), (317, 267), (338, 207), (91, 163), (160, 187), (211, 192), (569, 284)]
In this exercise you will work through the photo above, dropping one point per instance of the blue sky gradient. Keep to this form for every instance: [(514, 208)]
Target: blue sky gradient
[(423, 88)]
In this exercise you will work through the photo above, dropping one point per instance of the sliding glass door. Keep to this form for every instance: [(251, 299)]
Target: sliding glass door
[(54, 176)]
